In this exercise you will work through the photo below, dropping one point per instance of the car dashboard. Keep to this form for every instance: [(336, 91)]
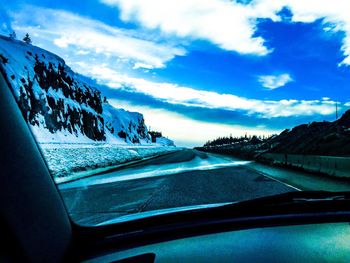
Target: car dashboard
[(326, 242)]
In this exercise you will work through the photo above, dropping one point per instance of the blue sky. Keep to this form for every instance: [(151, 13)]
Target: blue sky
[(200, 69)]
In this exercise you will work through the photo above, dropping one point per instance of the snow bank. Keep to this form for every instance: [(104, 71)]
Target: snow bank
[(72, 161)]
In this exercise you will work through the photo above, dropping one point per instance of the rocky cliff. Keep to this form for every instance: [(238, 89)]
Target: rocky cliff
[(58, 104)]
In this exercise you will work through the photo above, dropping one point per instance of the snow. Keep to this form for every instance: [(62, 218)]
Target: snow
[(164, 141), (122, 120), (19, 61), (43, 135), (71, 161)]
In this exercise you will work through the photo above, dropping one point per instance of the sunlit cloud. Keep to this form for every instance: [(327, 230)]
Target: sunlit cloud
[(187, 96), (274, 81), (334, 14), (87, 36), (227, 24), (232, 25)]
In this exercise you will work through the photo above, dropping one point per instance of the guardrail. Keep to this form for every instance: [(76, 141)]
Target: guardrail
[(330, 165)]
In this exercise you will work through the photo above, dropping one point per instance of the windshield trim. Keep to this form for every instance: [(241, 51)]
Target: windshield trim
[(158, 212)]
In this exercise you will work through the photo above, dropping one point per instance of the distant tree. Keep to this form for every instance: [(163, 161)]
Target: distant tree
[(155, 135), (252, 139), (27, 39), (13, 35)]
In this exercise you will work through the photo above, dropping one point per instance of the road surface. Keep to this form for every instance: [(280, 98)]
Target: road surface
[(184, 178)]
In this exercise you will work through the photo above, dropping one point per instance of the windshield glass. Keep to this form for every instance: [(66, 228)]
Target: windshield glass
[(148, 107)]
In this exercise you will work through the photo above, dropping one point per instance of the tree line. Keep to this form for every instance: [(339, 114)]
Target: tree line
[(27, 39), (253, 139)]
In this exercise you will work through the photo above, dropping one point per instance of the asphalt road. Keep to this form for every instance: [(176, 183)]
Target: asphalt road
[(184, 178)]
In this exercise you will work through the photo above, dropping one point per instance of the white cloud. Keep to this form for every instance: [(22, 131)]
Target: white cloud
[(175, 94), (227, 24), (335, 15), (231, 25), (186, 131), (142, 65), (275, 81), (88, 36)]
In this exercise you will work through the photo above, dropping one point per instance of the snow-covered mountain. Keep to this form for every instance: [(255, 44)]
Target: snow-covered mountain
[(58, 104)]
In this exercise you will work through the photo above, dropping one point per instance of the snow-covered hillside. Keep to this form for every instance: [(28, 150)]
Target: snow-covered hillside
[(71, 161), (129, 126), (59, 105), (164, 141)]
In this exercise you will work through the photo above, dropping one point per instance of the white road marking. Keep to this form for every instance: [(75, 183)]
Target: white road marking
[(274, 179)]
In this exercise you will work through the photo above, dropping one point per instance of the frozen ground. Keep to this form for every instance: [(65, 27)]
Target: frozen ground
[(72, 161)]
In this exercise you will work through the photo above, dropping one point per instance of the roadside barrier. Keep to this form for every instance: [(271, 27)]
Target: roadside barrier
[(330, 165)]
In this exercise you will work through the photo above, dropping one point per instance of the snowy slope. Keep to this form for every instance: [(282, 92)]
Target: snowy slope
[(59, 105), (130, 126), (71, 161), (164, 141)]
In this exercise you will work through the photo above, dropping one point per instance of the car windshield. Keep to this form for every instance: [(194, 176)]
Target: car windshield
[(148, 107)]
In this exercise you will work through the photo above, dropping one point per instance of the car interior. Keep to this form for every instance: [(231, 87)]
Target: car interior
[(36, 227), (186, 131)]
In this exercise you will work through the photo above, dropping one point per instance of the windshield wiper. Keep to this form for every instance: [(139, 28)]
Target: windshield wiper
[(287, 203), (292, 202)]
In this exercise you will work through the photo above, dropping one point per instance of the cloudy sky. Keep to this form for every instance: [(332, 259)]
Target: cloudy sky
[(198, 69)]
